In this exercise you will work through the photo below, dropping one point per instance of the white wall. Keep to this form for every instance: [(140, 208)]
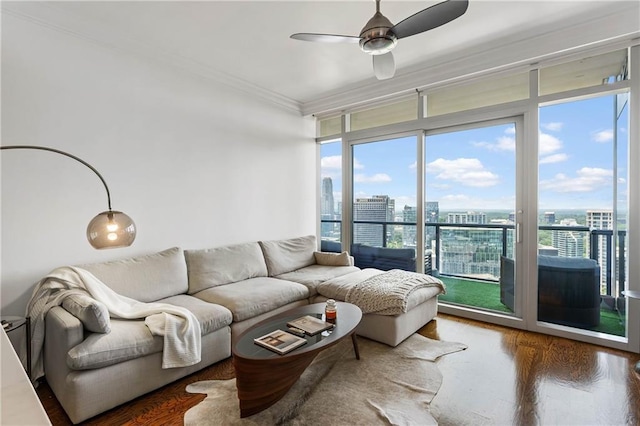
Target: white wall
[(194, 163)]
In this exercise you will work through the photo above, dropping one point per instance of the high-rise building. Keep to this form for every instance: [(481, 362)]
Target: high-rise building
[(327, 203), (329, 230), (569, 243), (432, 212), (601, 219), (410, 215), (432, 215), (472, 252), (468, 217), (378, 208), (550, 217)]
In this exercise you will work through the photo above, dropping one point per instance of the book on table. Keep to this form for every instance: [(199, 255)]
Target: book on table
[(280, 341), (310, 324)]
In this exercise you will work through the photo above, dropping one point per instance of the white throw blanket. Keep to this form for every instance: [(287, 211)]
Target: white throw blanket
[(387, 293), (180, 328)]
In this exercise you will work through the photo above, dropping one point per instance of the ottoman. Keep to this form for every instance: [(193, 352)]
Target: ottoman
[(422, 307)]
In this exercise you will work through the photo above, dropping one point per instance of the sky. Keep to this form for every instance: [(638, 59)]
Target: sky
[(475, 169)]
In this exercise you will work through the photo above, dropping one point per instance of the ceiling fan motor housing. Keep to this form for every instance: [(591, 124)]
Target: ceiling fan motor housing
[(376, 38)]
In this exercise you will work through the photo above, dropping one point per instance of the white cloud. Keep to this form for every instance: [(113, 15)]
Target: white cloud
[(503, 143), (465, 171), (413, 165), (587, 179), (335, 162), (506, 143), (603, 136), (554, 158), (554, 126), (331, 162), (548, 144), (377, 178)]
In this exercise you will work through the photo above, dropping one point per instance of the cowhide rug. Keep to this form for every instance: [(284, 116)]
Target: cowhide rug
[(386, 386)]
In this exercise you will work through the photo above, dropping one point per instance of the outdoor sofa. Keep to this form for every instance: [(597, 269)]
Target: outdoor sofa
[(568, 290)]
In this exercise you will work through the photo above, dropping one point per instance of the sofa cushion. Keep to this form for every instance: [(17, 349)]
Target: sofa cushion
[(94, 315), (255, 296), (128, 339), (313, 275), (284, 256), (145, 278), (211, 317), (333, 259), (131, 339), (224, 265)]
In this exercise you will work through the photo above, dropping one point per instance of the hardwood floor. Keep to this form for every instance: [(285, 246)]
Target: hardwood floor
[(505, 377)]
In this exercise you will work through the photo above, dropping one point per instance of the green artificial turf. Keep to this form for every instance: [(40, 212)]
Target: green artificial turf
[(486, 295)]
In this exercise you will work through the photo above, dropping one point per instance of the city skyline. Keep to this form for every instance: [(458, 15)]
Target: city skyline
[(581, 216)]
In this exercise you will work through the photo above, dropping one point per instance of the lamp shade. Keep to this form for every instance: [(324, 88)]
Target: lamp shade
[(111, 229)]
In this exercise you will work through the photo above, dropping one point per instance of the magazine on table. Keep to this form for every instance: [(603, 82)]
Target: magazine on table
[(280, 341), (310, 324)]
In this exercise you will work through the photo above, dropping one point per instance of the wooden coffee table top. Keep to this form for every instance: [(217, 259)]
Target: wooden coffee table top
[(349, 317), (263, 376)]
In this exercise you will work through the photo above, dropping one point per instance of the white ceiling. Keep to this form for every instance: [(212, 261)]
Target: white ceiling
[(246, 43)]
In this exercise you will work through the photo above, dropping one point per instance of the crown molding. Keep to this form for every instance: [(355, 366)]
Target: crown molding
[(47, 15), (618, 29)]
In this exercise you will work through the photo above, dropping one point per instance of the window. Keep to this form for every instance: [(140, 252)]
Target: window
[(587, 72), (331, 195)]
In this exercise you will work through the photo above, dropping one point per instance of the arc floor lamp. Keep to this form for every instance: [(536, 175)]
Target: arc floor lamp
[(109, 229)]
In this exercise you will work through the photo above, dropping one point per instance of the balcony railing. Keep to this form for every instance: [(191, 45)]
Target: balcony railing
[(452, 247)]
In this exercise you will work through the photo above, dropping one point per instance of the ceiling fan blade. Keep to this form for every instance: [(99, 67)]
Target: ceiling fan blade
[(384, 66), (325, 38), (431, 17)]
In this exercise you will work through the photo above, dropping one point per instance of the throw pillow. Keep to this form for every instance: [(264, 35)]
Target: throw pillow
[(332, 259), (93, 314)]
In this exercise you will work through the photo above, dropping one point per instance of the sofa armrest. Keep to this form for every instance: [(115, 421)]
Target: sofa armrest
[(63, 331)]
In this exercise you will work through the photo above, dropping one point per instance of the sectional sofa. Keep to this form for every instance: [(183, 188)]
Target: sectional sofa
[(93, 362)]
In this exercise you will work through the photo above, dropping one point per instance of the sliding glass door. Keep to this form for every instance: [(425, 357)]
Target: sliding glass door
[(583, 213), (470, 194)]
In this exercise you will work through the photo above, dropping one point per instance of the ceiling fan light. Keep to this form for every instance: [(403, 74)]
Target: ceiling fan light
[(378, 45), (376, 38)]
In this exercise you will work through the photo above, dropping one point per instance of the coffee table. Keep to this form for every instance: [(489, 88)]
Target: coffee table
[(263, 376)]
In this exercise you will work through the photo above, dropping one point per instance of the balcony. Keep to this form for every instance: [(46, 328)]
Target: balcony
[(467, 258)]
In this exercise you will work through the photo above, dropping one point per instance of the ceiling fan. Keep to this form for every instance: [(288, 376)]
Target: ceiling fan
[(379, 36)]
